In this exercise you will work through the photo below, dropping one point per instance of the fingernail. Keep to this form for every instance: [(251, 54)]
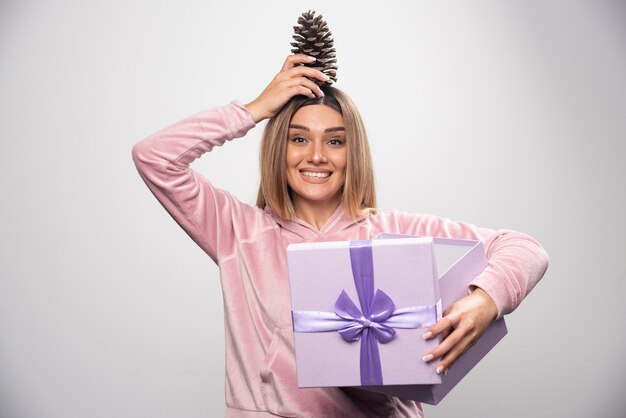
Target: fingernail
[(439, 369), (446, 372), (312, 58), (427, 335), (427, 357)]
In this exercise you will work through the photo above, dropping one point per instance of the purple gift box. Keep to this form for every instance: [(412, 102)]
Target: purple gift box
[(459, 262), (359, 311), (337, 344)]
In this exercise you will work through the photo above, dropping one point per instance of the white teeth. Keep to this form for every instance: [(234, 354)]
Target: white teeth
[(312, 174)]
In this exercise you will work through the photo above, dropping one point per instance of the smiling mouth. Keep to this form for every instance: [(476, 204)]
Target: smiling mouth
[(315, 174)]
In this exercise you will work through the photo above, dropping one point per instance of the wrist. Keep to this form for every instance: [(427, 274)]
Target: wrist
[(257, 114), (492, 307)]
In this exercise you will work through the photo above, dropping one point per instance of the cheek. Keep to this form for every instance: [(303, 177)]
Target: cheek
[(341, 160), (292, 156)]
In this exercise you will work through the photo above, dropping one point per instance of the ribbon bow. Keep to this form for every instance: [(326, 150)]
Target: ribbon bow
[(382, 308)]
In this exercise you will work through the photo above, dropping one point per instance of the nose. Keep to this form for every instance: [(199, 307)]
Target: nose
[(317, 154)]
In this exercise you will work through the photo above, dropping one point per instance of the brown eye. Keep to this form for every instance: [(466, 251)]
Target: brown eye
[(336, 141)]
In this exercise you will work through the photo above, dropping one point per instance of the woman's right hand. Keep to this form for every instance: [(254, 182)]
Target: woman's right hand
[(289, 82)]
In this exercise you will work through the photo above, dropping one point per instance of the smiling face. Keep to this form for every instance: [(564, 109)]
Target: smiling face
[(316, 157)]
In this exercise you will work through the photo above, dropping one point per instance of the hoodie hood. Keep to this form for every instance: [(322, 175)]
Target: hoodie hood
[(337, 223)]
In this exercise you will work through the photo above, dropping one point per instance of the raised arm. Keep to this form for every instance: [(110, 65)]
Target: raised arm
[(163, 159)]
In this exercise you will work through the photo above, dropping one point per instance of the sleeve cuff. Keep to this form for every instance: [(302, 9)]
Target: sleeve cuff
[(249, 120), (496, 290)]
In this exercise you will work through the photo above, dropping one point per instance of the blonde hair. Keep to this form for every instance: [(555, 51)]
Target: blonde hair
[(358, 193)]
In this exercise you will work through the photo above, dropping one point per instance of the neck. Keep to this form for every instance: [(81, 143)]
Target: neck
[(315, 214)]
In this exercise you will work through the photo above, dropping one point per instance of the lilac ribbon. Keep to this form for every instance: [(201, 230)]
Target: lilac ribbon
[(372, 324)]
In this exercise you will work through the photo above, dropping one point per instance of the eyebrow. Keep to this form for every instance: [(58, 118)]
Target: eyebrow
[(304, 128)]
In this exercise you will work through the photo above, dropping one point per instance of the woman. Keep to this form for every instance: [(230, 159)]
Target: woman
[(316, 185)]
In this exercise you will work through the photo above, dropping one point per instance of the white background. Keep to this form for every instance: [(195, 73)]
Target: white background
[(500, 113)]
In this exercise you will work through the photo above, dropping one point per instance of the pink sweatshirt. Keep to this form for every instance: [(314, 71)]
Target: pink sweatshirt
[(249, 245)]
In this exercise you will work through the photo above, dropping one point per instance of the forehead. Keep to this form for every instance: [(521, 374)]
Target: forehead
[(317, 117)]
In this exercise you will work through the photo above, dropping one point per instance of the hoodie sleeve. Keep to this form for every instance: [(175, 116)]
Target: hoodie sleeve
[(162, 159), (516, 261)]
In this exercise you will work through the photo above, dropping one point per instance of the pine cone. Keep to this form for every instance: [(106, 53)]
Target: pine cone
[(312, 37)]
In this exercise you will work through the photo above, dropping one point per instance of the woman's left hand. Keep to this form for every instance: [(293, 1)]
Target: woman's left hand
[(462, 325)]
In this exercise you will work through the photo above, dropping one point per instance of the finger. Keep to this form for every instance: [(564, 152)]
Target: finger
[(443, 324), (303, 81), (296, 75), (311, 85), (446, 345), (292, 60), (301, 90), (309, 72), (453, 355), (446, 332)]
